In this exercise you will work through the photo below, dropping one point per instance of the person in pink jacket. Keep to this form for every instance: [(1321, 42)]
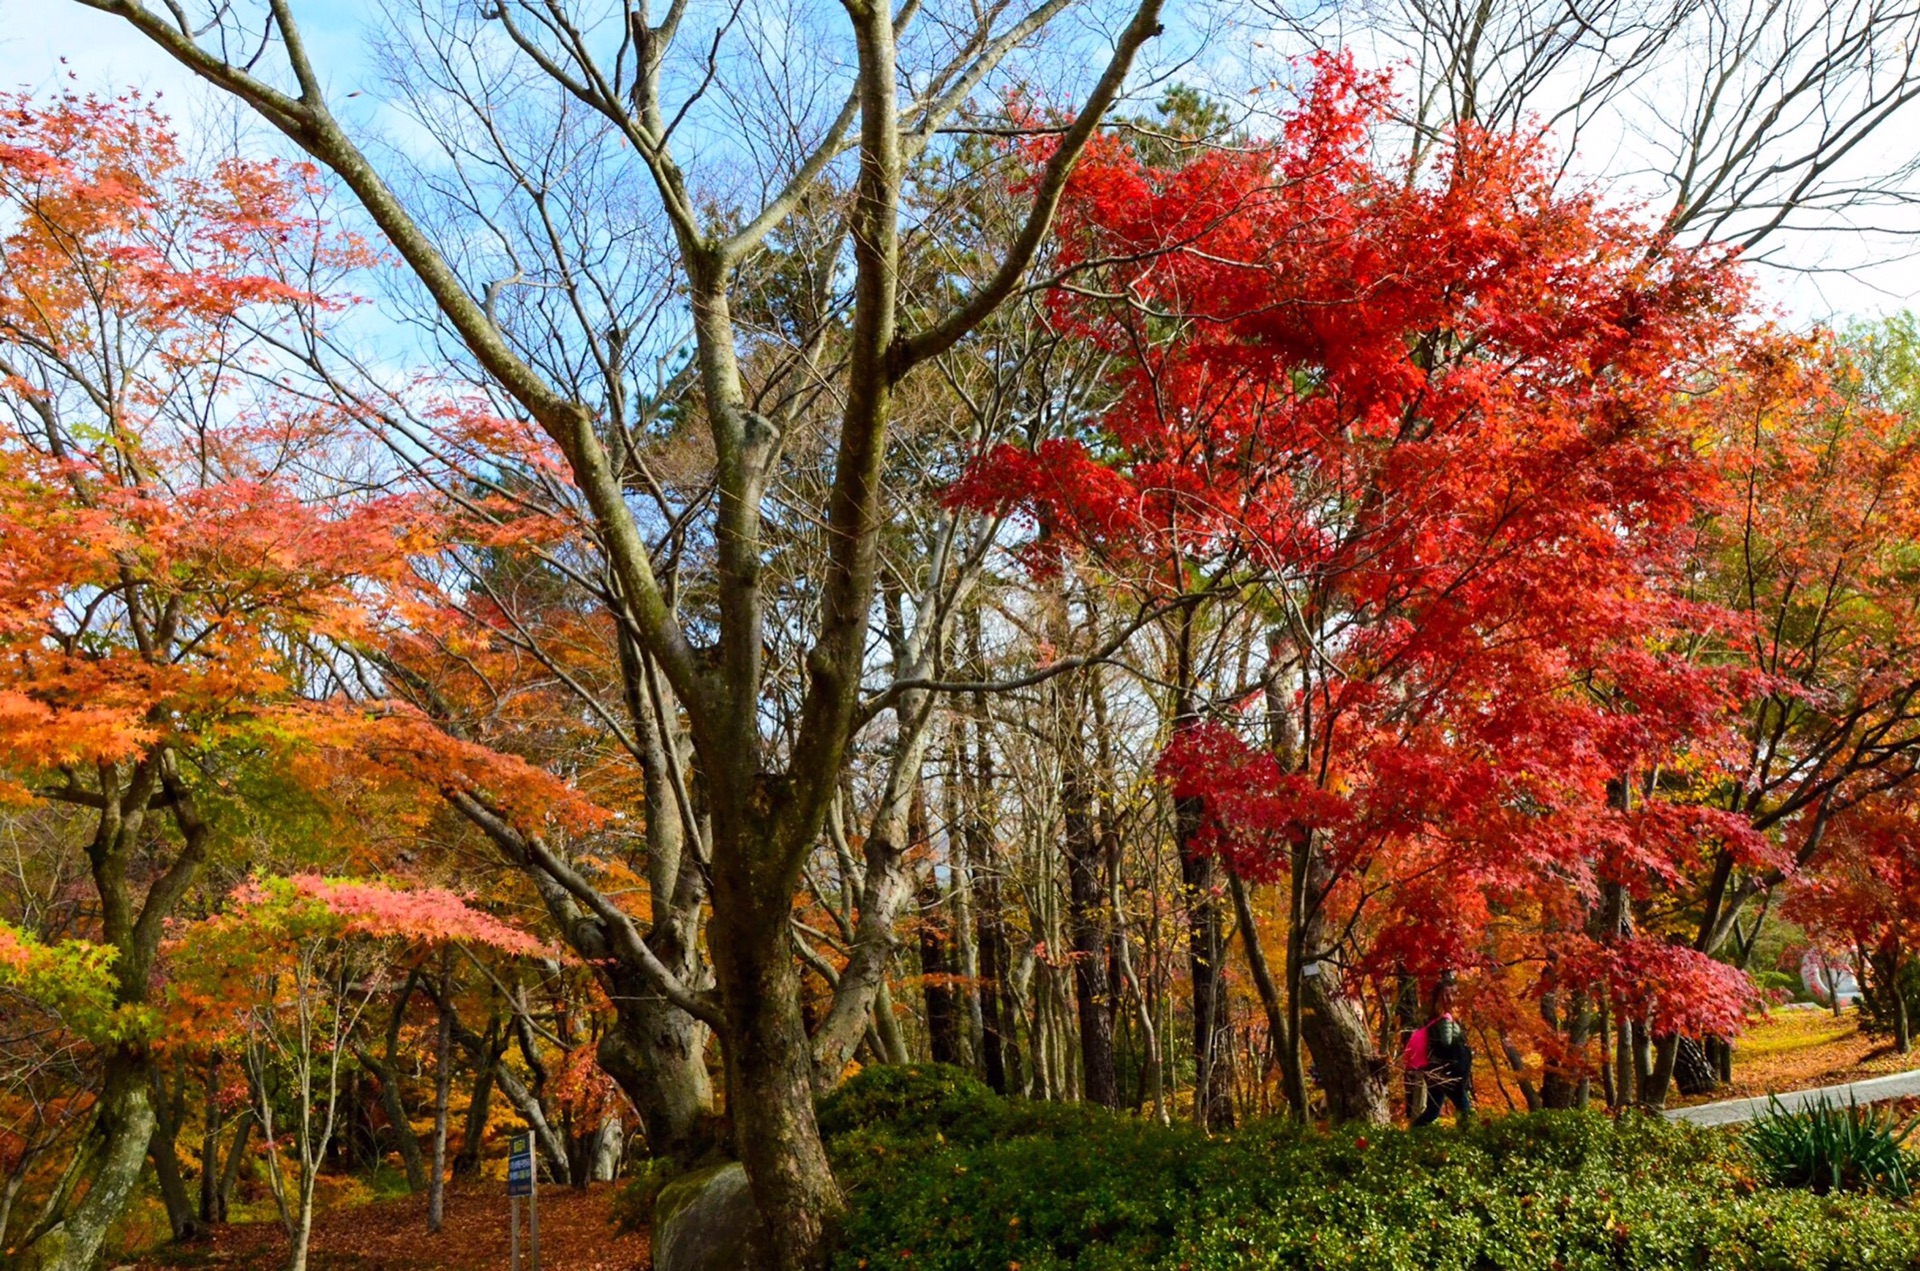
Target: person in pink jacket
[(1438, 1051)]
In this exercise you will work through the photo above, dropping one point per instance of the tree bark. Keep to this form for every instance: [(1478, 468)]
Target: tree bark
[(770, 1069), (657, 1052), (937, 977), (123, 1124), (1087, 925), (442, 1094), (1331, 1022), (1206, 964), (169, 1115), (121, 1130)]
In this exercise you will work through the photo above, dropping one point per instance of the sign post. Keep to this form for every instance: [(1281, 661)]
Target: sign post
[(523, 1180)]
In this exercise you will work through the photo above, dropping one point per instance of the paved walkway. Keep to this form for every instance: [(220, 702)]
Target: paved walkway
[(1894, 1086)]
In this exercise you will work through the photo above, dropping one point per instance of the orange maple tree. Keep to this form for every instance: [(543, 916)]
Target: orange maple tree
[(184, 544)]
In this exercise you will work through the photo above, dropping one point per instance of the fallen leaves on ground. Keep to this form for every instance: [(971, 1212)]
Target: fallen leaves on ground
[(1794, 1049), (391, 1235)]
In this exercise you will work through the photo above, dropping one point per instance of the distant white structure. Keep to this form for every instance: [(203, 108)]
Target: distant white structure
[(1829, 976)]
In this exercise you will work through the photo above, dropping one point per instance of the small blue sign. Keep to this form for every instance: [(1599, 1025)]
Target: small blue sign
[(520, 1165)]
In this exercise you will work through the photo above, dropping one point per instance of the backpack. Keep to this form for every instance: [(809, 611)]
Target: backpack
[(1445, 1034)]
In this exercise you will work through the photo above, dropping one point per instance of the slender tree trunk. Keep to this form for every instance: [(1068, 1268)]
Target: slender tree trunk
[(937, 977), (466, 1162), (1206, 945), (212, 1123), (236, 1161), (1087, 924), (996, 1034), (302, 1239), (1284, 740), (886, 1026), (1206, 965), (1262, 977), (405, 1141), (442, 1094), (1891, 958), (1200, 885), (966, 946), (169, 1115)]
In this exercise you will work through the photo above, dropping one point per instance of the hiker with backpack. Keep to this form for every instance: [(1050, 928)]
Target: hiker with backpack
[(1438, 1051)]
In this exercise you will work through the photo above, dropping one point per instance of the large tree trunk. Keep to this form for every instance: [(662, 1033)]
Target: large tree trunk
[(121, 1131), (114, 1154), (1336, 1033), (770, 1069), (1331, 1021), (657, 1052)]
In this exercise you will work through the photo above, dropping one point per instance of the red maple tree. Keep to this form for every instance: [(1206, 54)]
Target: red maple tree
[(1430, 421)]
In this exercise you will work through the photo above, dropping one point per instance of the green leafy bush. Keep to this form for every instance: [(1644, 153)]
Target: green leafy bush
[(966, 1181), (632, 1208), (910, 1099), (1825, 1147)]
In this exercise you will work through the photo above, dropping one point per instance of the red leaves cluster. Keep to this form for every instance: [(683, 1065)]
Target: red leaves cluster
[(1435, 412), (1651, 978), (424, 915)]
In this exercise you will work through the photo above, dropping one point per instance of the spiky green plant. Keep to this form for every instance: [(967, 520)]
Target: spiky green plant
[(1827, 1147)]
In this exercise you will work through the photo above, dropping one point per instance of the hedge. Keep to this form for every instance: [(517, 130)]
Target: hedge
[(943, 1175)]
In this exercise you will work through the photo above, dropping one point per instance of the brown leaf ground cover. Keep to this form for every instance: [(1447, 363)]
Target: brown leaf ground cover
[(391, 1235), (1793, 1049)]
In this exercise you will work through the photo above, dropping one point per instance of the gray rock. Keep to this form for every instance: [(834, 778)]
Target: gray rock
[(705, 1221)]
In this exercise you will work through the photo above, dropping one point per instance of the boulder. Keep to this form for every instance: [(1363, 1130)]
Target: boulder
[(705, 1221)]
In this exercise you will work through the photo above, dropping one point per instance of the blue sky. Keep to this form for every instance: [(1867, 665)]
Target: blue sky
[(101, 53)]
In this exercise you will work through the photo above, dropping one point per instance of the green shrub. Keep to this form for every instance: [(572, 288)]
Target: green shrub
[(908, 1099), (966, 1181), (632, 1208), (1825, 1147)]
